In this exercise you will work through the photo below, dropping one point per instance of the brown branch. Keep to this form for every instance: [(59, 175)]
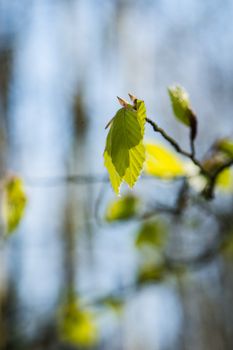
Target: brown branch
[(208, 191), (61, 180), (177, 147)]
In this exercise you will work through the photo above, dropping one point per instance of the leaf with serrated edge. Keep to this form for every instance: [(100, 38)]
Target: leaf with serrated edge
[(137, 158), (137, 154), (115, 178), (126, 134), (124, 153)]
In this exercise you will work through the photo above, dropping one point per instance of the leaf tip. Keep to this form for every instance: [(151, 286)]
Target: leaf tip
[(122, 102)]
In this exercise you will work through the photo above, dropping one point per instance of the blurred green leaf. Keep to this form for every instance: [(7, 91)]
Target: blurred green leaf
[(162, 162), (226, 146), (77, 326), (182, 108), (219, 154), (114, 304), (152, 233), (225, 180), (150, 273), (122, 208), (227, 247), (14, 203)]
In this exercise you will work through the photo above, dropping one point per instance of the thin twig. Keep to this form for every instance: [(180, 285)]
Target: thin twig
[(192, 146), (63, 180), (56, 180), (177, 147), (208, 192)]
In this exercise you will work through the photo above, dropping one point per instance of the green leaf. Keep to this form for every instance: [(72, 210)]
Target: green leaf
[(150, 273), (14, 203), (162, 162), (124, 153), (77, 325), (226, 146), (115, 304), (225, 180), (151, 233), (113, 174), (182, 108), (137, 159), (123, 208), (126, 134)]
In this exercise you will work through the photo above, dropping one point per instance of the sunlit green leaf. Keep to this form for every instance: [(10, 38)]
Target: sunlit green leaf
[(77, 326), (137, 158), (14, 203), (124, 153), (115, 178), (151, 233), (162, 162), (122, 208), (137, 153), (126, 134), (182, 108)]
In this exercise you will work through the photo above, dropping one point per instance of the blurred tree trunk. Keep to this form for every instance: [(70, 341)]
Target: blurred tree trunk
[(5, 74)]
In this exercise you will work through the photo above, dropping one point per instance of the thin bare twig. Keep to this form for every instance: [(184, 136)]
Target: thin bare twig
[(54, 181), (177, 147), (208, 191)]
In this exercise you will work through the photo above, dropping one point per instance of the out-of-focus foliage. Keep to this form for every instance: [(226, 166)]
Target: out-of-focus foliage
[(225, 145), (162, 162), (149, 273), (228, 246), (77, 326), (122, 208), (14, 203), (115, 304), (225, 180), (215, 160), (151, 233), (182, 108), (124, 153)]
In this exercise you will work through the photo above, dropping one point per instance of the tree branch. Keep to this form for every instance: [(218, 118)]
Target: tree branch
[(208, 191), (177, 147)]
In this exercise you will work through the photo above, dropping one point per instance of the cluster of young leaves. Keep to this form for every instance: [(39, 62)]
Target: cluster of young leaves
[(124, 154), (14, 201)]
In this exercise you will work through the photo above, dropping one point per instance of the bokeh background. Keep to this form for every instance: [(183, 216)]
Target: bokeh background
[(62, 64)]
